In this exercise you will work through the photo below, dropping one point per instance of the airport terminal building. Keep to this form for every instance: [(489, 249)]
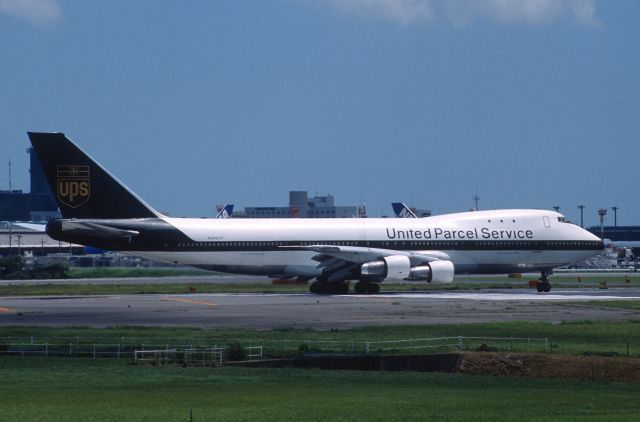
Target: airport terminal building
[(617, 233), (302, 206)]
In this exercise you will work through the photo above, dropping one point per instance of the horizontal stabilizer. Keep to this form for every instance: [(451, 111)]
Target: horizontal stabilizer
[(84, 228)]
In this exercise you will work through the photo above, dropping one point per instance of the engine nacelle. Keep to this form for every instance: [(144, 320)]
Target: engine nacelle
[(433, 272), (398, 267), (394, 267)]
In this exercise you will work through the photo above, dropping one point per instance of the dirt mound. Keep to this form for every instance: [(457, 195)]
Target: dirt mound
[(533, 365)]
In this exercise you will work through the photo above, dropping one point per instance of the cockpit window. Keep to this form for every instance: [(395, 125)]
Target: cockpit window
[(562, 219)]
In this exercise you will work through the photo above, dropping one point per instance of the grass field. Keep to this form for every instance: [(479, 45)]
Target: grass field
[(597, 338), (178, 288), (39, 388), (109, 272), (85, 389)]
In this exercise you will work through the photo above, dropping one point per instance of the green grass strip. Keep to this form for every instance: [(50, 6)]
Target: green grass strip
[(594, 338), (108, 272), (86, 390)]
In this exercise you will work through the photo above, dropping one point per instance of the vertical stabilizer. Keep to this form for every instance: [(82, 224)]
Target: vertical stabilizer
[(82, 187), (402, 210)]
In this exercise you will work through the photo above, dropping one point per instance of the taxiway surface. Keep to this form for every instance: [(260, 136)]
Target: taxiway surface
[(267, 311), (591, 279)]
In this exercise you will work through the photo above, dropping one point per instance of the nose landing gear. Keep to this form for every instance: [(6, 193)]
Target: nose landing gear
[(543, 283)]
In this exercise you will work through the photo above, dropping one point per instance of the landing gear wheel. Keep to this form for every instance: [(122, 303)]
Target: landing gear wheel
[(315, 287), (543, 283), (363, 287), (325, 288), (342, 288)]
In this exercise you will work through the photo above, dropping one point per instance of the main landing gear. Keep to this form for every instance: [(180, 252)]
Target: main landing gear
[(364, 287), (543, 283), (326, 288)]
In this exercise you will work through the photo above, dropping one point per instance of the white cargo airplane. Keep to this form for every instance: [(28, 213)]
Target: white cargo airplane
[(101, 212)]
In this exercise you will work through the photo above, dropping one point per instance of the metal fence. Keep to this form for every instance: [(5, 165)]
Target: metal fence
[(202, 356), (462, 343), (219, 351), (159, 350)]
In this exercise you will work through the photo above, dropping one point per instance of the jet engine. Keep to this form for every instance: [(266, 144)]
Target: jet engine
[(398, 267)]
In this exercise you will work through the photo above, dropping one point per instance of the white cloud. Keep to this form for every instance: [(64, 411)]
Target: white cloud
[(37, 12), (462, 12), (584, 11)]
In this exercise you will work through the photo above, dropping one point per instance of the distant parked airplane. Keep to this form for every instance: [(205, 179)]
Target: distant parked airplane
[(402, 211), (225, 211)]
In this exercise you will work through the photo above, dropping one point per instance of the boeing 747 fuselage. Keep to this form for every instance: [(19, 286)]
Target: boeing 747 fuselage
[(101, 212)]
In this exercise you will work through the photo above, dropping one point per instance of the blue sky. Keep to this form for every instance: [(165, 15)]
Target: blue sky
[(530, 104)]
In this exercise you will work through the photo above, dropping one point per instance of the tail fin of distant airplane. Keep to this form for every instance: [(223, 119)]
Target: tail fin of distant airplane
[(83, 188), (225, 211), (402, 211)]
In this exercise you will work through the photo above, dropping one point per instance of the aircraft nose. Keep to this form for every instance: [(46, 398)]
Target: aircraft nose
[(587, 235)]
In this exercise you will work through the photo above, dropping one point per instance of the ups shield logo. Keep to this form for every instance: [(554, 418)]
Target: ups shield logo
[(73, 185)]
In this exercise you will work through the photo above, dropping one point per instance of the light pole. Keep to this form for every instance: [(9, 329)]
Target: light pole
[(18, 236), (556, 208), (602, 212), (476, 198), (581, 207), (615, 215)]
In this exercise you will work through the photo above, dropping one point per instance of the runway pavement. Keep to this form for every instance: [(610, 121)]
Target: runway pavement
[(182, 279), (267, 311), (573, 279)]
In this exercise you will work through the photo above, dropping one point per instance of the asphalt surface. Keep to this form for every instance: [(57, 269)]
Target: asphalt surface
[(566, 278), (268, 311), (182, 279)]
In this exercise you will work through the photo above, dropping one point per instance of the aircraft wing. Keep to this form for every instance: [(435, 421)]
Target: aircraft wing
[(360, 255), (39, 228), (340, 262)]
